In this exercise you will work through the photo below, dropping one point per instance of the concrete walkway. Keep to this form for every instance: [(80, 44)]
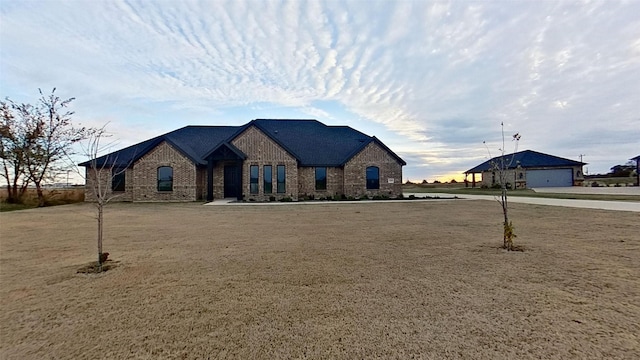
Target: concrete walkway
[(587, 204)]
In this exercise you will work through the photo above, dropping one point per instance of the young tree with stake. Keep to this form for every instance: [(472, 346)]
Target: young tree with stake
[(100, 172), (501, 166)]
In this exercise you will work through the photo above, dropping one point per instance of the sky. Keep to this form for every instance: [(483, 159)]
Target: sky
[(432, 79)]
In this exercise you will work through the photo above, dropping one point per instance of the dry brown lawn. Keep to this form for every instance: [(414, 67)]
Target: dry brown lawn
[(370, 280)]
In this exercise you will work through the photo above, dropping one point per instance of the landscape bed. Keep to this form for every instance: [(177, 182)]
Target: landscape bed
[(369, 280)]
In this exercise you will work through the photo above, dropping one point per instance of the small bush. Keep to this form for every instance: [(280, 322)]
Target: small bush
[(272, 198), (286, 199)]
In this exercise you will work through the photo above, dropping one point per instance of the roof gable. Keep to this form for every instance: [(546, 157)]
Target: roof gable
[(311, 142), (526, 159), (314, 143)]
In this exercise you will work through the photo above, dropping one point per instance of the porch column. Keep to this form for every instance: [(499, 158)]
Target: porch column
[(473, 180), (210, 180), (239, 182)]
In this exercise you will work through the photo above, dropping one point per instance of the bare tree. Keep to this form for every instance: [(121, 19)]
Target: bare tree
[(100, 173), (13, 142), (36, 142), (54, 137), (501, 165)]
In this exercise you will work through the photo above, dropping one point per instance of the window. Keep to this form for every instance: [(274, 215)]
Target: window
[(282, 176), (373, 178), (253, 179), (117, 179), (321, 178), (268, 179), (165, 178)]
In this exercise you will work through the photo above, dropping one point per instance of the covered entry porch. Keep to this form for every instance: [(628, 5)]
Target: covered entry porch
[(224, 172)]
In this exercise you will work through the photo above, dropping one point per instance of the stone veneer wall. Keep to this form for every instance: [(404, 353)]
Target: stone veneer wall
[(261, 150), (307, 182), (355, 176), (145, 176)]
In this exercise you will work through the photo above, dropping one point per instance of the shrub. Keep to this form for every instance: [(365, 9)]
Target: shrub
[(272, 198), (286, 199)]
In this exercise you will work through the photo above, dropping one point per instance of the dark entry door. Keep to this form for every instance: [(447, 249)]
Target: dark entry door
[(231, 181)]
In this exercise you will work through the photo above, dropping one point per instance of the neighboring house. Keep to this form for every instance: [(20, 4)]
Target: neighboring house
[(637, 160), (260, 161), (529, 169)]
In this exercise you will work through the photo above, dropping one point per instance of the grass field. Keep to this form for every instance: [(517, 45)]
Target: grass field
[(52, 197), (368, 280)]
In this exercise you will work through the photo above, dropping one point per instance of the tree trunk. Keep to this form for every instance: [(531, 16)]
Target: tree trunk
[(505, 211), (100, 212), (41, 202)]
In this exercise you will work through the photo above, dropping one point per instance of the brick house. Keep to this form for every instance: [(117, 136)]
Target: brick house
[(260, 161), (529, 169)]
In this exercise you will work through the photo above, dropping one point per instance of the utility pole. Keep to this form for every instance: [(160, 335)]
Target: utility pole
[(581, 155)]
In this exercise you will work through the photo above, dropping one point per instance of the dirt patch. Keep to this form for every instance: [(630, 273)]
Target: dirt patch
[(370, 280), (95, 268)]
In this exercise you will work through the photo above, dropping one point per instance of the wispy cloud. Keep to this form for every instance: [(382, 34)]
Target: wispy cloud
[(439, 77)]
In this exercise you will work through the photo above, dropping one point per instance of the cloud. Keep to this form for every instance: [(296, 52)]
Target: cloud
[(439, 77)]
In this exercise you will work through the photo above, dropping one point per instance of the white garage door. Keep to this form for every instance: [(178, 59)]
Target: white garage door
[(549, 178)]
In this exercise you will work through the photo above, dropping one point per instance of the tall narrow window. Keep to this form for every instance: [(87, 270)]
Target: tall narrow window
[(321, 178), (117, 179), (373, 178), (282, 176), (253, 181), (165, 178), (268, 179)]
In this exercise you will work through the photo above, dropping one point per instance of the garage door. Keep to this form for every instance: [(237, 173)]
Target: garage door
[(549, 178)]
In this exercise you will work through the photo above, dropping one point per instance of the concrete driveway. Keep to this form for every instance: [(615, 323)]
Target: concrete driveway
[(587, 204), (628, 190)]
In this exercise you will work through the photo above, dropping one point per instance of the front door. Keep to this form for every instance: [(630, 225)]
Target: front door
[(231, 181)]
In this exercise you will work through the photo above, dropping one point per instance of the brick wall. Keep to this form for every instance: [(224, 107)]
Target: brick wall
[(307, 182), (261, 150), (390, 171), (105, 176), (145, 176)]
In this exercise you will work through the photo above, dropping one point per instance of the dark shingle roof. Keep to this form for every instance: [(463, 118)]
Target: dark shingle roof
[(192, 141), (526, 159), (636, 158), (311, 142)]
